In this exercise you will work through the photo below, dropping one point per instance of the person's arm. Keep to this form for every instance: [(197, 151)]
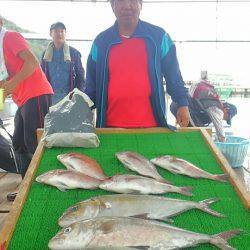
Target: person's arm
[(90, 89), (216, 115), (42, 63), (183, 116), (80, 74), (29, 66), (174, 81)]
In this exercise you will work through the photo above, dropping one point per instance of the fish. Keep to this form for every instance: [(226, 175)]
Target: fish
[(139, 164), (133, 232), (111, 248), (82, 163), (179, 166), (66, 179), (129, 205), (140, 185)]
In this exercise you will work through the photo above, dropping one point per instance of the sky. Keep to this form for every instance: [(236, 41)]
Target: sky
[(183, 21)]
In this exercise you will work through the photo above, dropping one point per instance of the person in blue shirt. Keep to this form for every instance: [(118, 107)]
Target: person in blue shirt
[(62, 64)]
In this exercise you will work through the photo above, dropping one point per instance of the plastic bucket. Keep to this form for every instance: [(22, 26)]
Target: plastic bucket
[(234, 149)]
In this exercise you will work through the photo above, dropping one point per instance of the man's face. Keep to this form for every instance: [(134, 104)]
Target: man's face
[(225, 113), (126, 11), (58, 35)]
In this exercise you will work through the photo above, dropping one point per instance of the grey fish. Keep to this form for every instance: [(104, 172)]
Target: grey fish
[(180, 166), (66, 179), (126, 205), (136, 184), (139, 164), (133, 232), (82, 163), (111, 248)]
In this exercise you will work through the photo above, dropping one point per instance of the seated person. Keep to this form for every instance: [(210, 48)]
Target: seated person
[(205, 107)]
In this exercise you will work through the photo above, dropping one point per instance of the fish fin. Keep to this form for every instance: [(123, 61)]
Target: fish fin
[(173, 170), (105, 204), (166, 219), (220, 240), (147, 217), (186, 191), (132, 191), (165, 181), (140, 247), (61, 189), (221, 177), (141, 216), (204, 206)]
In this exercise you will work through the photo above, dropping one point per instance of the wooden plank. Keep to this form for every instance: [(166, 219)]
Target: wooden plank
[(2, 219), (132, 131), (119, 130), (9, 182), (236, 182), (189, 129), (2, 174), (39, 133), (243, 172), (15, 211), (12, 218)]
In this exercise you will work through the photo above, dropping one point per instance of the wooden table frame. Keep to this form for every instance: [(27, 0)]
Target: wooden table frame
[(18, 204)]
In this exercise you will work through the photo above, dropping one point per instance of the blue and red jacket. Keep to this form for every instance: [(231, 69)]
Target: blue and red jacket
[(162, 62)]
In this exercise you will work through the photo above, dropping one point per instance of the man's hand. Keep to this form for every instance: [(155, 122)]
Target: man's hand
[(8, 87), (2, 86), (182, 116), (2, 83)]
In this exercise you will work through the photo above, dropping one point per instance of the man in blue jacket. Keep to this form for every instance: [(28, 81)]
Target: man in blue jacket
[(62, 64), (125, 71)]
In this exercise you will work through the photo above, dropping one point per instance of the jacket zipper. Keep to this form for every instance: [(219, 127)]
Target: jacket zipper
[(157, 76), (105, 69)]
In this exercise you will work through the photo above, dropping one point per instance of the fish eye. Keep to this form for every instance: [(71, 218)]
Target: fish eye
[(73, 209), (67, 230)]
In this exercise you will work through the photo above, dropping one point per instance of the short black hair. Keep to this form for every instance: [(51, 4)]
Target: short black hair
[(57, 25)]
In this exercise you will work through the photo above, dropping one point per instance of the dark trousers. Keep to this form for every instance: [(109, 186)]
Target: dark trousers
[(198, 115), (28, 118)]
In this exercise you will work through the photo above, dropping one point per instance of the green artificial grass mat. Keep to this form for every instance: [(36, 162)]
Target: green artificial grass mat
[(45, 204)]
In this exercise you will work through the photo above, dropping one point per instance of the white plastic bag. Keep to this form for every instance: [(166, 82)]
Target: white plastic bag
[(69, 123)]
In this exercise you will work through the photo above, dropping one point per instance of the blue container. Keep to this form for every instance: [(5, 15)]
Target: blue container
[(234, 149)]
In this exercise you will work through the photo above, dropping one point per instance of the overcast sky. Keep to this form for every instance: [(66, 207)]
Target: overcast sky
[(188, 21)]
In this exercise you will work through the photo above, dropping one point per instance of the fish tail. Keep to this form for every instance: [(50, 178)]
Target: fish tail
[(221, 177), (38, 179), (165, 181), (220, 240), (204, 206), (185, 191)]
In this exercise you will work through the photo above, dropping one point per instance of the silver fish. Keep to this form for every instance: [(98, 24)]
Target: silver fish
[(140, 185), (133, 232), (82, 163), (66, 179), (180, 166), (111, 248), (126, 205), (139, 164)]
